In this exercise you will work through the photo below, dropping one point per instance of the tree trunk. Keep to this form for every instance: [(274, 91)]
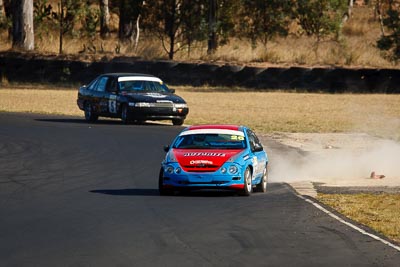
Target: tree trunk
[(170, 28), (212, 26), (2, 11), (350, 9), (23, 34), (104, 19), (61, 24), (125, 21), (137, 33)]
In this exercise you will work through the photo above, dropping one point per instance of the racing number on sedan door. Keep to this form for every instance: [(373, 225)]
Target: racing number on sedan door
[(112, 104)]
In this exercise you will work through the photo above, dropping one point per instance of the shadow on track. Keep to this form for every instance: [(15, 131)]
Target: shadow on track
[(155, 192), (128, 192), (99, 122)]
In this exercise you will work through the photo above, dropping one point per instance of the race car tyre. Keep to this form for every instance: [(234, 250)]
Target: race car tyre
[(161, 188), (262, 186), (125, 116), (177, 122), (247, 183), (90, 116)]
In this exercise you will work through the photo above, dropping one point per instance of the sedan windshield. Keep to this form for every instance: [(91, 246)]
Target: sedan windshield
[(143, 86), (210, 141)]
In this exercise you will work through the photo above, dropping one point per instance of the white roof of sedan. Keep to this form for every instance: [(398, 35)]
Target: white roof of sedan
[(213, 131), (139, 78)]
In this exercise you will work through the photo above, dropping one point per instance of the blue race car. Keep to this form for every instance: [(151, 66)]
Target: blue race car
[(227, 157)]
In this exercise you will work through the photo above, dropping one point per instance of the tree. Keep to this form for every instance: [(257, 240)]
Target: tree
[(4, 17), (104, 18), (22, 31), (2, 10), (320, 18), (177, 23), (194, 22), (264, 19), (129, 16), (390, 42), (212, 26)]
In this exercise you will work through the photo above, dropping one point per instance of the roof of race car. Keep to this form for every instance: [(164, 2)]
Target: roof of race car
[(134, 77), (214, 128)]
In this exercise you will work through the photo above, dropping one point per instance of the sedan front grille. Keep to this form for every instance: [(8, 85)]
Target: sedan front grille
[(164, 105), (206, 168)]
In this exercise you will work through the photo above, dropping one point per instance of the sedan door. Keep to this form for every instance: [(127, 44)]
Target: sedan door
[(102, 95), (109, 100), (259, 157)]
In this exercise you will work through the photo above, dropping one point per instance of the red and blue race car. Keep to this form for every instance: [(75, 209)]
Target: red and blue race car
[(227, 157)]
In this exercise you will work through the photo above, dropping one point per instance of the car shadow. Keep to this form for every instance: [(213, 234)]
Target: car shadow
[(99, 122), (155, 192), (128, 192)]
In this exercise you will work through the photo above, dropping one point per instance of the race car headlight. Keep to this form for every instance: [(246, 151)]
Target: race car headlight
[(180, 105), (144, 105), (232, 169), (223, 170), (178, 170), (170, 169)]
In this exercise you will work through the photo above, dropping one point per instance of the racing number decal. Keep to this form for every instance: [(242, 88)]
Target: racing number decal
[(237, 137), (112, 104)]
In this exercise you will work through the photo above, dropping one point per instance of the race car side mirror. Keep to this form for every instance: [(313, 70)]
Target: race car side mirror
[(172, 91), (166, 148)]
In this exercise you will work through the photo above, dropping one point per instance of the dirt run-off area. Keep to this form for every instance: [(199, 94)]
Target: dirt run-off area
[(335, 162)]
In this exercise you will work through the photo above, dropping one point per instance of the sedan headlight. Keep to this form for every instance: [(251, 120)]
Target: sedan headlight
[(170, 169), (232, 169), (180, 105), (144, 105)]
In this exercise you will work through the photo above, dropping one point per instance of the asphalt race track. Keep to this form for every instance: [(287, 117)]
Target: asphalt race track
[(79, 194)]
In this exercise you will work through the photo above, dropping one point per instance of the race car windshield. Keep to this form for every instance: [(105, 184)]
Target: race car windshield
[(143, 86), (210, 141)]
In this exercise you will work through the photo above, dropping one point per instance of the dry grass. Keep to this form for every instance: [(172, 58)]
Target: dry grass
[(355, 48), (263, 111), (45, 101), (296, 112), (379, 212)]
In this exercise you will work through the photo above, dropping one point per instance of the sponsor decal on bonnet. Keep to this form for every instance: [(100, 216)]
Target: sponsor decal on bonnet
[(156, 95), (205, 162), (204, 154)]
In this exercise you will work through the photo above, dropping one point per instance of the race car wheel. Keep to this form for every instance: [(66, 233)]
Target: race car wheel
[(262, 186), (90, 116), (177, 122), (247, 183), (161, 188), (125, 116)]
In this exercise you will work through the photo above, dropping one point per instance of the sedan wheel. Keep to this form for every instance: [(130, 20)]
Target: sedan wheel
[(177, 122), (161, 188), (125, 116), (247, 183), (89, 115), (262, 186)]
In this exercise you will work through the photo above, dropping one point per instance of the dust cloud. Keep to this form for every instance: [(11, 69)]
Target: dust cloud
[(334, 159)]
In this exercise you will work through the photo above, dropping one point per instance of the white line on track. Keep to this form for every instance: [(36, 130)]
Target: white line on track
[(349, 224)]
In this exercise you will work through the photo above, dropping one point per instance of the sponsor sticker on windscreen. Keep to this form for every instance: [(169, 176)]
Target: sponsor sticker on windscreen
[(139, 78)]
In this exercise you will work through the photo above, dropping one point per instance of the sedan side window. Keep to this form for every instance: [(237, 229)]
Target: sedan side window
[(255, 144), (112, 85), (93, 85), (101, 85)]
